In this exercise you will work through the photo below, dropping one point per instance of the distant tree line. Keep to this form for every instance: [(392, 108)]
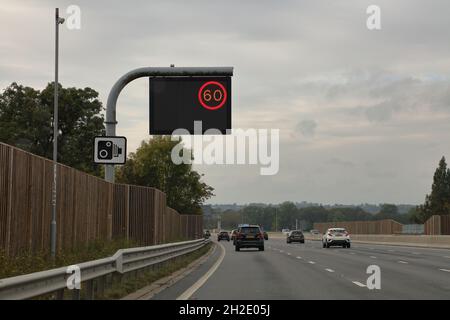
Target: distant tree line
[(288, 215)]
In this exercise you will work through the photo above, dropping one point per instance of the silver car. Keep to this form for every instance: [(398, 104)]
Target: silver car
[(336, 237)]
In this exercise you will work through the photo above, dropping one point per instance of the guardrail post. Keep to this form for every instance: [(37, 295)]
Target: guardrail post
[(109, 281), (60, 294), (117, 278), (90, 290), (76, 294), (101, 286)]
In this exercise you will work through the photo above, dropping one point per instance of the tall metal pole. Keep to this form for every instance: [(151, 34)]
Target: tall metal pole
[(58, 21), (276, 219)]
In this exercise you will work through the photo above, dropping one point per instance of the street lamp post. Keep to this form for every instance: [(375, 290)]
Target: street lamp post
[(58, 21), (276, 219)]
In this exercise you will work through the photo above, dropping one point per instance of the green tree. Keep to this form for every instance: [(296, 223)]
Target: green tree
[(26, 121), (438, 201), (348, 214), (387, 211), (151, 165), (287, 213), (230, 219), (413, 215)]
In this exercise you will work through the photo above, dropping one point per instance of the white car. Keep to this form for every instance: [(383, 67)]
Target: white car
[(285, 231), (336, 237)]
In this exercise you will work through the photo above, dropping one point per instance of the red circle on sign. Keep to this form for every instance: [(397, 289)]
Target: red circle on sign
[(224, 99)]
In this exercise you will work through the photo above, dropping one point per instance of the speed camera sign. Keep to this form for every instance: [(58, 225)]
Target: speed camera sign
[(110, 150)]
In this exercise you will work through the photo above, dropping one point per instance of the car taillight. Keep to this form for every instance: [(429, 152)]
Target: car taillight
[(260, 236)]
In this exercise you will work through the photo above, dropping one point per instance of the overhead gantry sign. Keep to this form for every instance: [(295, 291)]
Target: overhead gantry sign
[(178, 97)]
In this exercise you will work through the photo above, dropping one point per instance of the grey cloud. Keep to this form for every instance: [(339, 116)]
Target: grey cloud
[(380, 112), (340, 162), (293, 60), (307, 128)]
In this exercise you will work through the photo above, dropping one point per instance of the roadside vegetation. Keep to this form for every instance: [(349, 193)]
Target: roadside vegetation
[(26, 116), (151, 166), (28, 262), (26, 122), (135, 281)]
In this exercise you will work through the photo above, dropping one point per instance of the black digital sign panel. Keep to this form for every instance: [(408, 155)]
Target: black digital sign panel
[(177, 102)]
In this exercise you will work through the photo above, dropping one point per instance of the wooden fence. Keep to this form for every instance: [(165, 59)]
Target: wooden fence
[(435, 225), (88, 208), (438, 225), (387, 226)]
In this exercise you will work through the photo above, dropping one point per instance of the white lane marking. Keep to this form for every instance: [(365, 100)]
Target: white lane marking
[(288, 253), (448, 257), (200, 282), (445, 270), (391, 250), (373, 257), (359, 284), (352, 253), (329, 270), (311, 262), (299, 257), (404, 262), (415, 252), (281, 251)]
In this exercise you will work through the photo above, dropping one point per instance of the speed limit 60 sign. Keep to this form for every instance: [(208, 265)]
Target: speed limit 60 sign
[(177, 102)]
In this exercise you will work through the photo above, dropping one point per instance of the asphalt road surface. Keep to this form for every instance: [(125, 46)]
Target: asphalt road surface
[(308, 271)]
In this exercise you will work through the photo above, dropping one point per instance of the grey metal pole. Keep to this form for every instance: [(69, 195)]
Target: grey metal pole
[(58, 21), (276, 219), (150, 72)]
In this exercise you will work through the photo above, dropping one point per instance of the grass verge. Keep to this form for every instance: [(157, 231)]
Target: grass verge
[(28, 262), (108, 287)]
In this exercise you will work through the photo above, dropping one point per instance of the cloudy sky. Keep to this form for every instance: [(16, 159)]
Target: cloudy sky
[(364, 116)]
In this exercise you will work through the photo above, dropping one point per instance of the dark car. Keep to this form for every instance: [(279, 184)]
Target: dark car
[(249, 236), (223, 235), (295, 236)]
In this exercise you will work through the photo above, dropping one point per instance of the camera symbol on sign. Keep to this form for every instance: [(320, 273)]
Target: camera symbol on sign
[(107, 150)]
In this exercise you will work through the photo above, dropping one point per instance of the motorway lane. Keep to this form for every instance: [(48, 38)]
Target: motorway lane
[(251, 274), (307, 271), (406, 272)]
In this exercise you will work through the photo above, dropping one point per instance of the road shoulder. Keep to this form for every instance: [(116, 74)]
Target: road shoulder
[(188, 279), (155, 288)]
